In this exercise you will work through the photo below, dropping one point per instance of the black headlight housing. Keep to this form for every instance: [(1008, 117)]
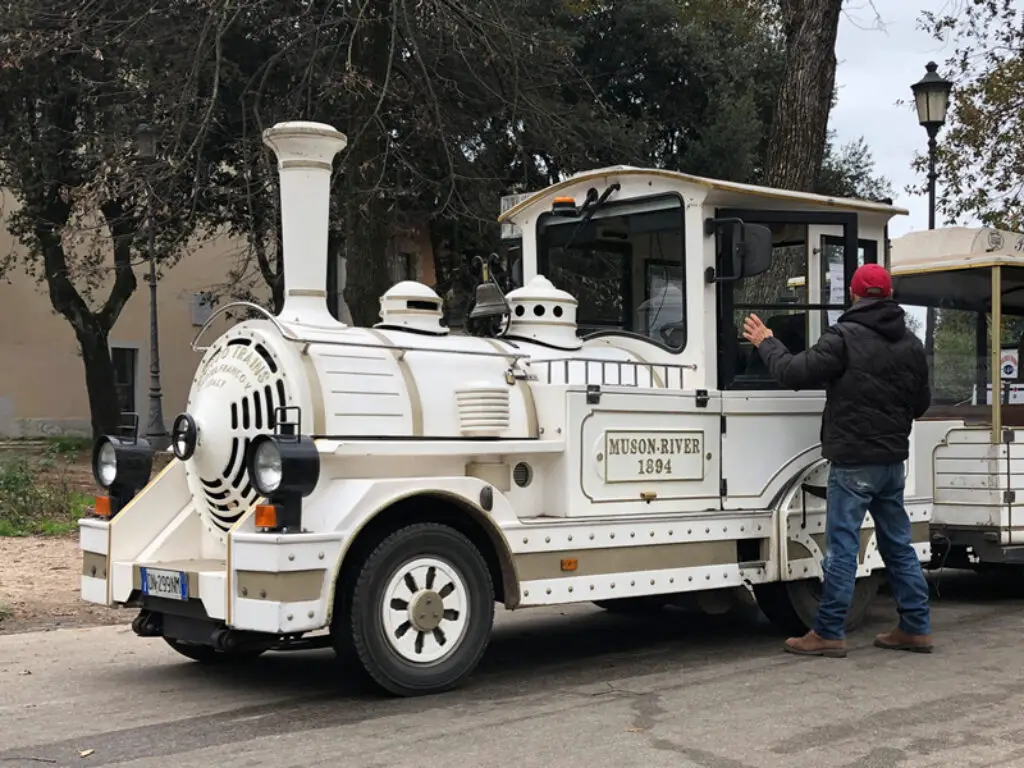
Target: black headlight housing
[(121, 466), (284, 468), (184, 436)]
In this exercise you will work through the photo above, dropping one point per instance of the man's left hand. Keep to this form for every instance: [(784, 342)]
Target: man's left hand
[(755, 331)]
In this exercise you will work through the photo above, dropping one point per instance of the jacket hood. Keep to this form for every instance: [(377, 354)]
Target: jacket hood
[(884, 316)]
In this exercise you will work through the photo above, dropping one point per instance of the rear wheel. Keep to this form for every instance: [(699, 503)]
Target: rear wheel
[(418, 611), (207, 654), (792, 605)]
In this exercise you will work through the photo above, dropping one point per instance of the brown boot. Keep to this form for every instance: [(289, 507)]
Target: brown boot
[(813, 644), (898, 640)]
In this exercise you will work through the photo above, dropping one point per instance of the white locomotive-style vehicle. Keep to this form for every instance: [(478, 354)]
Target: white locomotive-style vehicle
[(608, 436)]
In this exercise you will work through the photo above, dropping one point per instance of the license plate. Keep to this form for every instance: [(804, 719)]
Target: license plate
[(172, 585)]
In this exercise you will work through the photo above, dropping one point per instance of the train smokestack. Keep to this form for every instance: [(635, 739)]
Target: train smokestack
[(305, 152)]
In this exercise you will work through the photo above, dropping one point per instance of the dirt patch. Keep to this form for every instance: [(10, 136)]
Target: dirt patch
[(45, 487), (40, 588)]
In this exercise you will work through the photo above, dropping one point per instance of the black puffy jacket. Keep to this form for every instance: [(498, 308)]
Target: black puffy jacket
[(875, 375)]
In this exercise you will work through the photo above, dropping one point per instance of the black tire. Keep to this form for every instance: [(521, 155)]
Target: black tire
[(792, 605), (207, 654), (632, 606), (358, 628)]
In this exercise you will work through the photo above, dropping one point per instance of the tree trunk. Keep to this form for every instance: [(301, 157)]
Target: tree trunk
[(100, 382), (366, 255), (92, 329), (367, 218), (799, 128)]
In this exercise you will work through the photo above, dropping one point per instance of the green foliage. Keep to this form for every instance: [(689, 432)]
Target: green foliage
[(447, 105), (849, 171), (981, 151), (32, 506), (958, 357)]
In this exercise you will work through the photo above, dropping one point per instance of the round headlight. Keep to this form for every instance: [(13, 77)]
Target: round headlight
[(266, 467), (184, 436), (105, 466)]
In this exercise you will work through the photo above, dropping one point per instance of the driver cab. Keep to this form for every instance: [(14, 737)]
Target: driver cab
[(678, 261)]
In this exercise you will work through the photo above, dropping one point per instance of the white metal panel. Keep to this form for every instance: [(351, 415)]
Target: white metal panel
[(544, 535), (977, 483), (281, 553), (94, 590), (269, 616), (634, 584), (769, 437), (673, 423), (147, 516), (93, 535)]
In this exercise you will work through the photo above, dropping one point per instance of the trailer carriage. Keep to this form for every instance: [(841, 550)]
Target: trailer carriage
[(605, 436), (973, 278)]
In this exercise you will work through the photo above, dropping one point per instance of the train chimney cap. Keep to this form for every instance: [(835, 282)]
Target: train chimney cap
[(543, 313), (411, 305)]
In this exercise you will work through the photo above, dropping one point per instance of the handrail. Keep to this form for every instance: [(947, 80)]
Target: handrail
[(515, 357), (567, 363)]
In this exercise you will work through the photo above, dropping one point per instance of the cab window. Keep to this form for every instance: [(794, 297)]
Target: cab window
[(624, 264), (798, 297)]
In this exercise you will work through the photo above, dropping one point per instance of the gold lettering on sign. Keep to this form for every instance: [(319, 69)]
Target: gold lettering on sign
[(655, 455), (653, 446)]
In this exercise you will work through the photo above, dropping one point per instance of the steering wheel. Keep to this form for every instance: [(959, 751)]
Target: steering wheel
[(666, 330)]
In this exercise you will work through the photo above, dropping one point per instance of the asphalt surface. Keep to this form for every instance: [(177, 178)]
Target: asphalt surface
[(566, 688)]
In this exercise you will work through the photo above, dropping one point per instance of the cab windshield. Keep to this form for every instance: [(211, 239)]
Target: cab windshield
[(624, 266)]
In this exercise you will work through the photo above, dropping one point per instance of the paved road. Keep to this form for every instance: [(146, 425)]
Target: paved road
[(572, 688)]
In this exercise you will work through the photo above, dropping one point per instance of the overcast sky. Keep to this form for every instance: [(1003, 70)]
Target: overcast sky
[(876, 69)]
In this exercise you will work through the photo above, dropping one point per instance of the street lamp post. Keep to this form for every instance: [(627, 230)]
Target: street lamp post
[(931, 95), (156, 431)]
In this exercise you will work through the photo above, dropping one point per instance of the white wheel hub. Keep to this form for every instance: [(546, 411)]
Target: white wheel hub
[(425, 610)]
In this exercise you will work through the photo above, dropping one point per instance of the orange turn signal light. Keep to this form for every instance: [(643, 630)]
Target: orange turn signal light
[(265, 516), (570, 564), (102, 506)]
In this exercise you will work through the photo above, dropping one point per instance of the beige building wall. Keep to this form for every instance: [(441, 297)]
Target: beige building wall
[(42, 377)]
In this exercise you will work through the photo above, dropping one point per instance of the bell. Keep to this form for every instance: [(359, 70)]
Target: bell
[(490, 302)]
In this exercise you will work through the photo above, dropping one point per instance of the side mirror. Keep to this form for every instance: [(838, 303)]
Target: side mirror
[(755, 247), (747, 249)]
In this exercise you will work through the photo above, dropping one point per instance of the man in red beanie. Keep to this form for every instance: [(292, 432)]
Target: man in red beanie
[(875, 375)]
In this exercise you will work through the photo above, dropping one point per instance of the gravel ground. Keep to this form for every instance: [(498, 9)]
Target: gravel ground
[(39, 587)]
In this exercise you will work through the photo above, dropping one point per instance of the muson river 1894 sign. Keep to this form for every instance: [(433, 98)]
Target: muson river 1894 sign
[(653, 456)]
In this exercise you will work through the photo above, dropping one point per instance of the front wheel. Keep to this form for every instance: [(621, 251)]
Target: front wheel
[(792, 605), (418, 612)]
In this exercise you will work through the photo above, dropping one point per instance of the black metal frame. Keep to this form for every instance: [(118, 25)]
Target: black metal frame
[(726, 306)]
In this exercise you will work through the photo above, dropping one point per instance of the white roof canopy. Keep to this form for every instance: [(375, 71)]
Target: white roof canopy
[(950, 267), (955, 248)]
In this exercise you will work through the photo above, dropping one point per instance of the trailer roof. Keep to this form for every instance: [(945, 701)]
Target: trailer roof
[(714, 184), (955, 248)]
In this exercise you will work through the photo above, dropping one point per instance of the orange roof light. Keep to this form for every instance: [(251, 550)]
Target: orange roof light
[(570, 200), (102, 506), (265, 516)]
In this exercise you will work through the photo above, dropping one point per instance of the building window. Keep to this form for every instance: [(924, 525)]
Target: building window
[(403, 267), (126, 362)]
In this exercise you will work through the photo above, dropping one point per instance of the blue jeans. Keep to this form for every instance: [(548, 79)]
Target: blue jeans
[(852, 492)]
